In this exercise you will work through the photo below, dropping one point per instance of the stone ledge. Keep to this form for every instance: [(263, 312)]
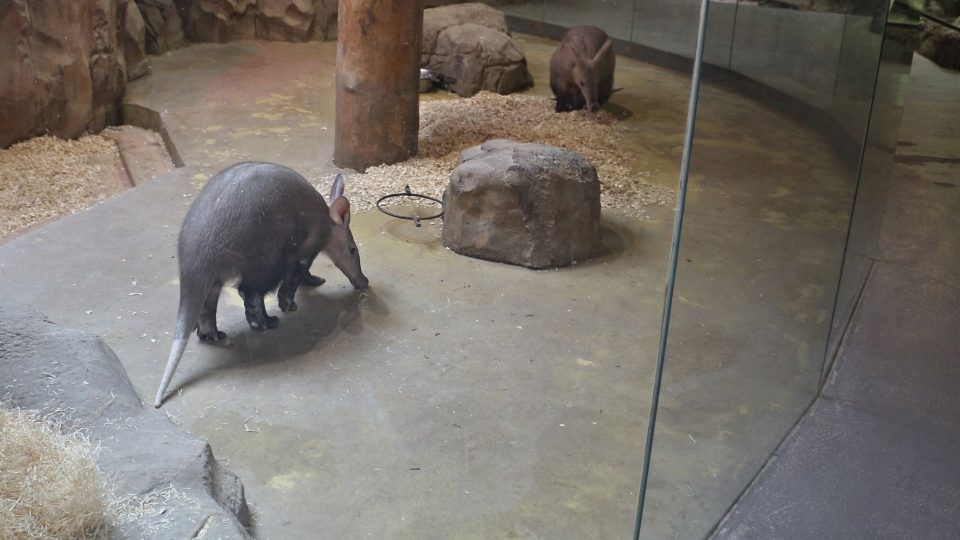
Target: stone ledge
[(52, 369)]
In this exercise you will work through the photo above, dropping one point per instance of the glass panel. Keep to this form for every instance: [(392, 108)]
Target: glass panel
[(858, 54), (773, 176), (614, 16), (595, 480), (671, 26), (863, 245), (527, 9), (462, 398), (796, 52)]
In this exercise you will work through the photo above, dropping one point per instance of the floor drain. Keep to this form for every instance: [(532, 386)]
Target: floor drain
[(407, 193)]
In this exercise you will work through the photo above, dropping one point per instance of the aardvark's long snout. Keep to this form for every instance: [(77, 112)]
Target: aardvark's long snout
[(360, 283)]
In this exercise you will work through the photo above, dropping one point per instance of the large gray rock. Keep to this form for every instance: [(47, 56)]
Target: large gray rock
[(51, 369), (62, 67), (522, 203), (942, 45), (470, 48), (274, 20), (163, 25)]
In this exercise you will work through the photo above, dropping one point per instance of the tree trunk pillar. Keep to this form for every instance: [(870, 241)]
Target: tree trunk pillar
[(378, 81)]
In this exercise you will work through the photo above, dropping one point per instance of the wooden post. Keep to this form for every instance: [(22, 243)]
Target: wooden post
[(378, 81)]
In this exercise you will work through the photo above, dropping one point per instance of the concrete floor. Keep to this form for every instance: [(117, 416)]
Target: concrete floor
[(458, 398)]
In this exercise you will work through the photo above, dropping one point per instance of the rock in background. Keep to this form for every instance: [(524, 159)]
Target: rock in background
[(942, 45), (522, 203), (947, 9), (275, 20), (72, 374), (134, 43), (469, 47), (436, 20), (63, 67), (164, 29)]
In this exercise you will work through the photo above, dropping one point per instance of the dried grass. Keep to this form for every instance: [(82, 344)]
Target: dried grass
[(447, 127), (151, 511), (46, 177), (50, 487)]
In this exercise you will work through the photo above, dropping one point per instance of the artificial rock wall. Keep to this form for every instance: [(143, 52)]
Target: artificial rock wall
[(273, 20), (62, 66)]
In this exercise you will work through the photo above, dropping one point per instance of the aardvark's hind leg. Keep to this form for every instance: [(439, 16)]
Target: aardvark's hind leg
[(256, 312), (207, 323)]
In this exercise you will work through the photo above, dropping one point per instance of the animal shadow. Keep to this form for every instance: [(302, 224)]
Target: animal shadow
[(310, 329), (619, 112)]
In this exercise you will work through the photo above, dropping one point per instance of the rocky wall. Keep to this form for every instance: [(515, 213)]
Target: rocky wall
[(274, 20), (62, 67), (940, 44), (164, 29)]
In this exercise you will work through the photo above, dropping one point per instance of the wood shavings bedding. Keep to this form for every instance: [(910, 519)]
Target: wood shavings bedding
[(46, 177), (449, 126)]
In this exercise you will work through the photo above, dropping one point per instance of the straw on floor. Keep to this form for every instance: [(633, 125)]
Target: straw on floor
[(50, 487)]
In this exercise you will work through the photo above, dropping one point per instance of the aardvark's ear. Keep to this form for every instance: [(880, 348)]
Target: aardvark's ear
[(603, 50), (340, 211), (336, 191)]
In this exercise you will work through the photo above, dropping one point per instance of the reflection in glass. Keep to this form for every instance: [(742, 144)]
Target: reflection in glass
[(526, 9), (671, 26), (614, 16), (764, 231), (863, 242), (784, 108)]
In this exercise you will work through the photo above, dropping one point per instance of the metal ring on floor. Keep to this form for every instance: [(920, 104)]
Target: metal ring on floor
[(406, 193)]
